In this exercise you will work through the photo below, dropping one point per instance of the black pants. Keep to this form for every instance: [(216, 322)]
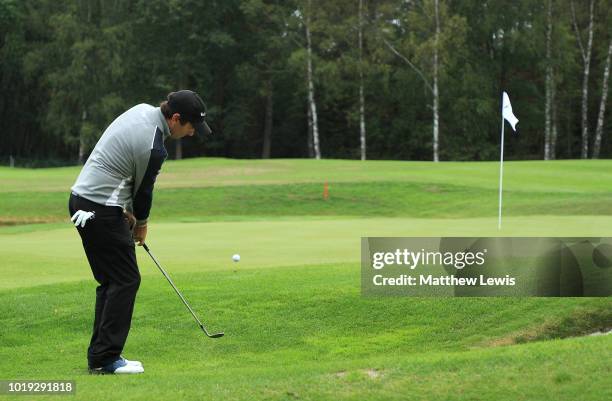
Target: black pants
[(109, 247)]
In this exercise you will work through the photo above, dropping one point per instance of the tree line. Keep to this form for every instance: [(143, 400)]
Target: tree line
[(362, 79)]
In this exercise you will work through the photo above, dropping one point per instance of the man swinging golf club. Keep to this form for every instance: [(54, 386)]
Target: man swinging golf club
[(110, 204)]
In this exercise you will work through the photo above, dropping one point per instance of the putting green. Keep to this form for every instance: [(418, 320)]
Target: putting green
[(56, 255)]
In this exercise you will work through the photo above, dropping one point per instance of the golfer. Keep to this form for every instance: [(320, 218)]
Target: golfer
[(110, 204)]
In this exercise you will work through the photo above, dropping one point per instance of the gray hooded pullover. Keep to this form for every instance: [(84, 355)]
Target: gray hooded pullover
[(122, 168)]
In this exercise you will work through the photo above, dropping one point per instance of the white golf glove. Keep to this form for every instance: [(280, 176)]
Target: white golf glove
[(81, 217)]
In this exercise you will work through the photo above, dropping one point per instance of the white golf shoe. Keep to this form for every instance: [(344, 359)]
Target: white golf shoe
[(119, 367), (135, 363)]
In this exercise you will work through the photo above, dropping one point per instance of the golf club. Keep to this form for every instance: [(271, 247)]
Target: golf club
[(216, 335)]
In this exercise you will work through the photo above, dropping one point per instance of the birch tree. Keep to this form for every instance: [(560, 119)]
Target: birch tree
[(585, 53), (558, 67), (436, 94), (554, 131), (602, 104), (362, 125), (310, 82), (548, 140), (301, 25)]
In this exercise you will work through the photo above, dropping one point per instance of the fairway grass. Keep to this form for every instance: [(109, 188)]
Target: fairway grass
[(297, 327), (551, 176)]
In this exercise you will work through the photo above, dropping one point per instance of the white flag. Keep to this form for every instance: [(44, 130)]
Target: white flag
[(507, 111)]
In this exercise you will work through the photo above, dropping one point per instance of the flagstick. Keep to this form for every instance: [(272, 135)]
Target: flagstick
[(501, 173)]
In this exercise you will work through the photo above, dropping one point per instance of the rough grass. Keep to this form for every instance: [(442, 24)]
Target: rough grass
[(302, 332)]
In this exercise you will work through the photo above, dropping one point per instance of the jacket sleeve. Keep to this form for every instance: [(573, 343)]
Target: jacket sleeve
[(144, 197)]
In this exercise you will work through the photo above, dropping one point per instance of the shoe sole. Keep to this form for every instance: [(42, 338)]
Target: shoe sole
[(104, 372)]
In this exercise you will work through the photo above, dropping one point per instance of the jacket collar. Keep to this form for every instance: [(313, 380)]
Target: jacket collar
[(162, 123)]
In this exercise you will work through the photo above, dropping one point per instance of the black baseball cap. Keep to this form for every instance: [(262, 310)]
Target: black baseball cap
[(191, 108)]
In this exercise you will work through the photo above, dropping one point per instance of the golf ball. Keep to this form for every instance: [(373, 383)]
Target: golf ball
[(236, 258)]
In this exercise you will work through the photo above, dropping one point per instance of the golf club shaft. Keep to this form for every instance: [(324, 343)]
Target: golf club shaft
[(146, 248)]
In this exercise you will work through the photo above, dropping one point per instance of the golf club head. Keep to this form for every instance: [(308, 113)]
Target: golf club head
[(216, 335)]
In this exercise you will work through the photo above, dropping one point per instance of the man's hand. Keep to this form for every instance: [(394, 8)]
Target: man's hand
[(129, 218), (140, 233)]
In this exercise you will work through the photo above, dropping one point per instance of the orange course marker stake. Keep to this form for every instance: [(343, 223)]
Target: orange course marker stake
[(325, 191)]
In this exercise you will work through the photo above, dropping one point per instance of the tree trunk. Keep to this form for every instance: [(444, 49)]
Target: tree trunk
[(553, 134), (436, 116), (585, 101), (602, 105), (311, 93), (362, 126), (311, 152), (268, 121), (586, 59), (549, 72)]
